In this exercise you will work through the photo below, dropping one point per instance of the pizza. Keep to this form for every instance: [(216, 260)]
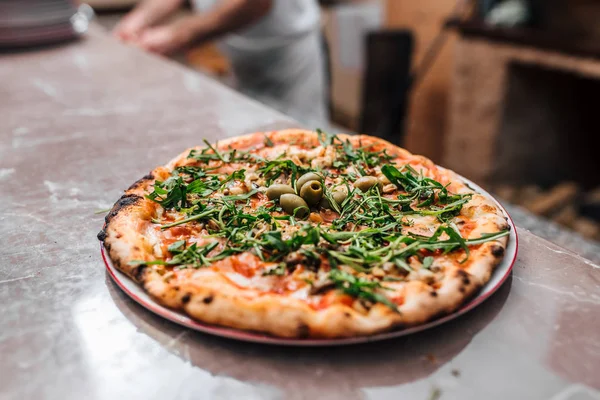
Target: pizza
[(303, 234)]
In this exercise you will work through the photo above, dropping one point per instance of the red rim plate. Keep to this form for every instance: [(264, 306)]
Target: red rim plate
[(499, 276)]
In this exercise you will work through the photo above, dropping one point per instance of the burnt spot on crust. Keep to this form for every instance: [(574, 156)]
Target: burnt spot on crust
[(441, 314), (141, 181), (398, 326), (124, 202), (498, 251), (139, 272), (303, 330), (186, 298), (208, 299), (504, 225), (473, 294), (464, 276)]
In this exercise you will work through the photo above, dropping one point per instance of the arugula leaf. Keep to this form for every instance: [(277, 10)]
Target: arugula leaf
[(202, 155), (177, 247), (268, 142), (183, 256), (360, 288), (193, 172), (325, 138), (427, 262), (214, 150), (238, 175), (204, 214), (170, 193), (278, 247), (203, 188), (275, 168), (210, 153), (278, 270), (243, 196)]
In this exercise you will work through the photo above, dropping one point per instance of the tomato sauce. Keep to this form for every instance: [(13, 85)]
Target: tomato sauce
[(245, 264), (332, 298), (180, 230), (466, 226)]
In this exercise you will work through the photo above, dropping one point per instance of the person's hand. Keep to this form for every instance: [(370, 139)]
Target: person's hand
[(166, 39), (131, 27)]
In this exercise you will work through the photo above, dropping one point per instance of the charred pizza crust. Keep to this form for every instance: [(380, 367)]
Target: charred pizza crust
[(210, 295)]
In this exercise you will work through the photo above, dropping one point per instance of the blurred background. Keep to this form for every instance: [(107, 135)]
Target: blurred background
[(505, 92)]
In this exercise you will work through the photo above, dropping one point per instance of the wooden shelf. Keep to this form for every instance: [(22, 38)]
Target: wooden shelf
[(531, 37)]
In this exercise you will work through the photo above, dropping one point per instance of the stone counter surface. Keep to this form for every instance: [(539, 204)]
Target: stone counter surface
[(81, 122)]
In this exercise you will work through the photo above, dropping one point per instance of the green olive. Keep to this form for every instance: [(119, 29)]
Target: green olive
[(310, 176), (275, 191), (312, 192), (294, 205), (324, 203), (367, 182), (337, 195)]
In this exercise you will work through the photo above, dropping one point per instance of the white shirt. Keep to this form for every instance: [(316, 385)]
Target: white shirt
[(279, 59), (287, 21)]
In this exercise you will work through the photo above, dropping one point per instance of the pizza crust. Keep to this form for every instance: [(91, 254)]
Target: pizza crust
[(208, 296)]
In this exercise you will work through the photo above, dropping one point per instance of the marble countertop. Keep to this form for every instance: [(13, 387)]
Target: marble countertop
[(80, 122)]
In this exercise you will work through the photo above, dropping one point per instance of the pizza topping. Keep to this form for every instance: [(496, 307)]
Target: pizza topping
[(245, 264), (312, 192), (278, 270), (294, 205), (365, 183), (334, 199), (360, 288), (275, 191), (348, 219), (311, 176)]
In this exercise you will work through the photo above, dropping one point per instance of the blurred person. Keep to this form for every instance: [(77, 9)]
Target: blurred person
[(274, 46)]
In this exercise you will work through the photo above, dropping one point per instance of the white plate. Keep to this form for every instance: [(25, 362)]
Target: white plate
[(500, 274)]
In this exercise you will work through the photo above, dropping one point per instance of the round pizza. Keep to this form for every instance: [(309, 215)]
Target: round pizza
[(302, 234)]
